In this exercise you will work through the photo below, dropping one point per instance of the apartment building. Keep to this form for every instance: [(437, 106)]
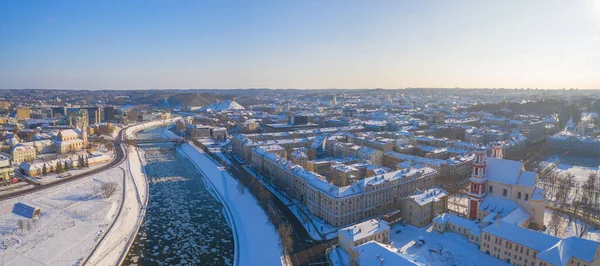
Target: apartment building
[(340, 206)]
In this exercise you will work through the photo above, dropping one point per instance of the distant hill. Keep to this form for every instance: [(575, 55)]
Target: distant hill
[(184, 100)]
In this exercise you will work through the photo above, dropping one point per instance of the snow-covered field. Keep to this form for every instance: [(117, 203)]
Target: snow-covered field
[(579, 166), (257, 242), (73, 218)]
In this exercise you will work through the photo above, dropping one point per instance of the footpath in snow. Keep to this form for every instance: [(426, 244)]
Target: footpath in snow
[(257, 242), (112, 249)]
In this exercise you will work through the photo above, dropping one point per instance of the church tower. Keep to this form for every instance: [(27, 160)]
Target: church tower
[(478, 182), (497, 150)]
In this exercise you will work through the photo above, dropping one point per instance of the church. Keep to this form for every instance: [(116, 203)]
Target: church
[(70, 140), (501, 188)]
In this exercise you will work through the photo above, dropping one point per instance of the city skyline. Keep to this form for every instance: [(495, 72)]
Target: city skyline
[(267, 44)]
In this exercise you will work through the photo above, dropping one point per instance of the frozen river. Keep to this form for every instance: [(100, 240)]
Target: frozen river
[(184, 223)]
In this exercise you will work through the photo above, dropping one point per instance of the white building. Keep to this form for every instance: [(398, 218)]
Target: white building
[(358, 234)]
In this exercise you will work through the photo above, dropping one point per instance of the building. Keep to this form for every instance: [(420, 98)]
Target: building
[(358, 234), (420, 208), (450, 222), (521, 246), (109, 113), (7, 172), (70, 140), (23, 113), (249, 126), (22, 153), (94, 114), (497, 183), (37, 169), (375, 253), (341, 206), (574, 143)]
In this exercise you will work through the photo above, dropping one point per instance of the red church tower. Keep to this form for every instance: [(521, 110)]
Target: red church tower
[(478, 182)]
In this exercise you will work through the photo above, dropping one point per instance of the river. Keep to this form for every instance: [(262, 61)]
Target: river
[(184, 223)]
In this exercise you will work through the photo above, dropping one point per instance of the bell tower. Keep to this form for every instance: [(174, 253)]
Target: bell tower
[(478, 182), (497, 150)]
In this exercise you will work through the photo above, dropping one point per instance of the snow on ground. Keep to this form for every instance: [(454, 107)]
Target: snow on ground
[(111, 250), (257, 242), (455, 248), (458, 203), (216, 148), (72, 219), (132, 130), (316, 227), (11, 188), (567, 229), (579, 166)]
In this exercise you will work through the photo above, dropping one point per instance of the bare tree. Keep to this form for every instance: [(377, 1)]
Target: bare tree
[(285, 234), (554, 226), (565, 184), (106, 189), (21, 225)]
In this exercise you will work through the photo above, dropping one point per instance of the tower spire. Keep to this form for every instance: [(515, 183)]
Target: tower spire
[(478, 182)]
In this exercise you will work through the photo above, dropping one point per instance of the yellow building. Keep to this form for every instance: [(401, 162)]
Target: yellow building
[(23, 113), (420, 209), (6, 170), (22, 154)]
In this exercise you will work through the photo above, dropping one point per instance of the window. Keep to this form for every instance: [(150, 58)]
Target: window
[(504, 192), (526, 196), (491, 188), (519, 195)]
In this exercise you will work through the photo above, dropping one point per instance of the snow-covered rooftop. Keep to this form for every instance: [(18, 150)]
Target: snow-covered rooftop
[(571, 247), (375, 253), (498, 205), (522, 236), (429, 195), (365, 229)]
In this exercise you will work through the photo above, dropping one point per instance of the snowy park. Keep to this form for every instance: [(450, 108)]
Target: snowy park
[(73, 217)]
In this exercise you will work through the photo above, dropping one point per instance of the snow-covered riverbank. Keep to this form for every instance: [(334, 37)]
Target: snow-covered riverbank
[(111, 250), (257, 242)]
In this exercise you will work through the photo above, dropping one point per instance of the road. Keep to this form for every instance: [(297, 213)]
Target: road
[(305, 251), (121, 156)]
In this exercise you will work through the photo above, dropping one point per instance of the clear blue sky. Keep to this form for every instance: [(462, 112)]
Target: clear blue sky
[(299, 44)]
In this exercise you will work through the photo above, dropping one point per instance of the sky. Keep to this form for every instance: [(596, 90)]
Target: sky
[(299, 44)]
